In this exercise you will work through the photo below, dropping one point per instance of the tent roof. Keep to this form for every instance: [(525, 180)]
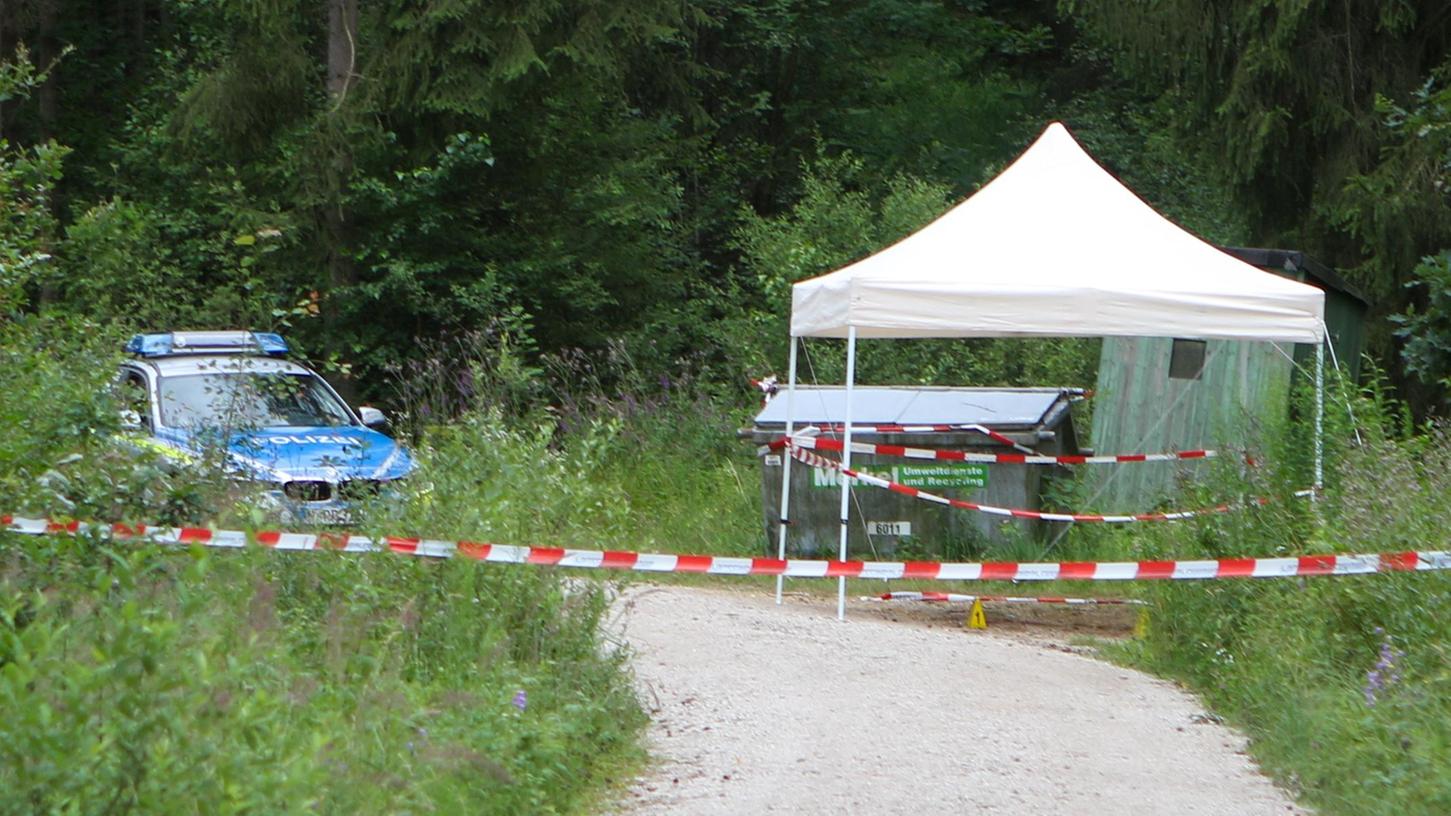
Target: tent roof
[(1040, 252)]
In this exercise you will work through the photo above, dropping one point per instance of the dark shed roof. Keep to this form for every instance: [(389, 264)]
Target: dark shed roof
[(1295, 262)]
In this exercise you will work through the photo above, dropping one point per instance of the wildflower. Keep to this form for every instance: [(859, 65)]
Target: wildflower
[(1387, 670), (521, 700)]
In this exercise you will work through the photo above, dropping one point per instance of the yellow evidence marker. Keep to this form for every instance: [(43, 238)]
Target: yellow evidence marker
[(975, 617)]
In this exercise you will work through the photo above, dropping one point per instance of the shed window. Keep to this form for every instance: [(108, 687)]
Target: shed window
[(1186, 361)]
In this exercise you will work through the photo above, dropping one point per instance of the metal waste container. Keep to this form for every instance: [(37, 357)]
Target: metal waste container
[(890, 525)]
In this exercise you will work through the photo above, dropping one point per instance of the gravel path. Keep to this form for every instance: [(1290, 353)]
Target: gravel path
[(764, 710)]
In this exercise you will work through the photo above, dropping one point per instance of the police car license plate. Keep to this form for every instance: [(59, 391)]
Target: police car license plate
[(331, 515)]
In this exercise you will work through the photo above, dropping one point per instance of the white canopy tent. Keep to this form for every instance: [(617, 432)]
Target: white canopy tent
[(1054, 246)]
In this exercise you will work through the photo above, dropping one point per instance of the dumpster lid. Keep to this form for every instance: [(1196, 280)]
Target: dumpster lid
[(994, 407)]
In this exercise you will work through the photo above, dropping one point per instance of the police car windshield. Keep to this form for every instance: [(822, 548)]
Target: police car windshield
[(249, 400)]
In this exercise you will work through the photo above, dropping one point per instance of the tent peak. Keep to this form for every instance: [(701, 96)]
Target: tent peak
[(1040, 250)]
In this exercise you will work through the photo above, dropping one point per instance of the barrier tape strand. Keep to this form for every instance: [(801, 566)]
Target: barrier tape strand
[(892, 428), (817, 443), (823, 463), (953, 597), (1189, 570)]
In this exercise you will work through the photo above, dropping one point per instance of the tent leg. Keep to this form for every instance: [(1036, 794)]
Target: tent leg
[(1319, 419), (846, 463), (785, 519)]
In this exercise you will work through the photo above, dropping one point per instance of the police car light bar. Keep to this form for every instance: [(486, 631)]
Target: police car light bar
[(173, 344)]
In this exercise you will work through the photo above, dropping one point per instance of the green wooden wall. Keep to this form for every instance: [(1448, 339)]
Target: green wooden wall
[(1139, 408)]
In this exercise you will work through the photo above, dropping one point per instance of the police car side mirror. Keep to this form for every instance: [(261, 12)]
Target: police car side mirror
[(130, 420), (372, 417)]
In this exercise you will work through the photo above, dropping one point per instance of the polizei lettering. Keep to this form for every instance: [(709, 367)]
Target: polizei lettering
[(311, 440)]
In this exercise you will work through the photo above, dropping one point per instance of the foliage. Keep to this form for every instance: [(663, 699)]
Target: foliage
[(152, 682), (651, 466), (27, 181), (1323, 117), (1283, 92), (1302, 664), (586, 163), (1403, 203), (63, 453), (1425, 332)]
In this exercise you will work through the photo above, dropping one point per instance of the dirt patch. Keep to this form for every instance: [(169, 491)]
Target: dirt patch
[(760, 709), (1049, 623)]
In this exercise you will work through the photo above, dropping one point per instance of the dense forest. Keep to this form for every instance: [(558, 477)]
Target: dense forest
[(649, 176)]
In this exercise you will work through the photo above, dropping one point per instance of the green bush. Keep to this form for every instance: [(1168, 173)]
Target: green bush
[(141, 680), (578, 451)]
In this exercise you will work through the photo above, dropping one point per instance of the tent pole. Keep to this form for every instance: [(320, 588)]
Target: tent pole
[(1319, 418), (785, 519), (846, 463)]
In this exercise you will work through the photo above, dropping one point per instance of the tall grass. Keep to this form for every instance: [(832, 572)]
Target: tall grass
[(579, 452), (1344, 683), (137, 680)]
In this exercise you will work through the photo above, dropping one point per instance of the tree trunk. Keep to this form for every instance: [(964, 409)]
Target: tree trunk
[(47, 97), (342, 40), (46, 50), (342, 52), (5, 50)]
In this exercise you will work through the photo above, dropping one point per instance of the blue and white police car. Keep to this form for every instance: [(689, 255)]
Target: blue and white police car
[(270, 421)]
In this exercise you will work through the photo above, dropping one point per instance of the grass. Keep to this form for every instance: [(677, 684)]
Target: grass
[(138, 679), (1343, 683)]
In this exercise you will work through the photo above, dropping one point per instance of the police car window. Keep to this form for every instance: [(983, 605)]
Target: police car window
[(134, 397), (249, 400)]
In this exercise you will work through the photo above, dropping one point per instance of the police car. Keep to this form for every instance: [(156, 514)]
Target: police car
[(271, 421)]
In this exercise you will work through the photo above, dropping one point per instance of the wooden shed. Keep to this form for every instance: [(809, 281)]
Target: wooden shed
[(1162, 394), (884, 522)]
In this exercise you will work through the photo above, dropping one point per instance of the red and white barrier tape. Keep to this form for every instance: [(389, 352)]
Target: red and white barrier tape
[(886, 428), (1291, 567), (1000, 439), (818, 461), (953, 597), (817, 443)]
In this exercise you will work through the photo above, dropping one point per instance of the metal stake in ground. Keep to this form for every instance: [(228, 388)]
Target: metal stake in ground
[(846, 460)]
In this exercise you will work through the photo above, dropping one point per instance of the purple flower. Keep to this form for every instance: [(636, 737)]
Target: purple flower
[(521, 700), (1387, 670)]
